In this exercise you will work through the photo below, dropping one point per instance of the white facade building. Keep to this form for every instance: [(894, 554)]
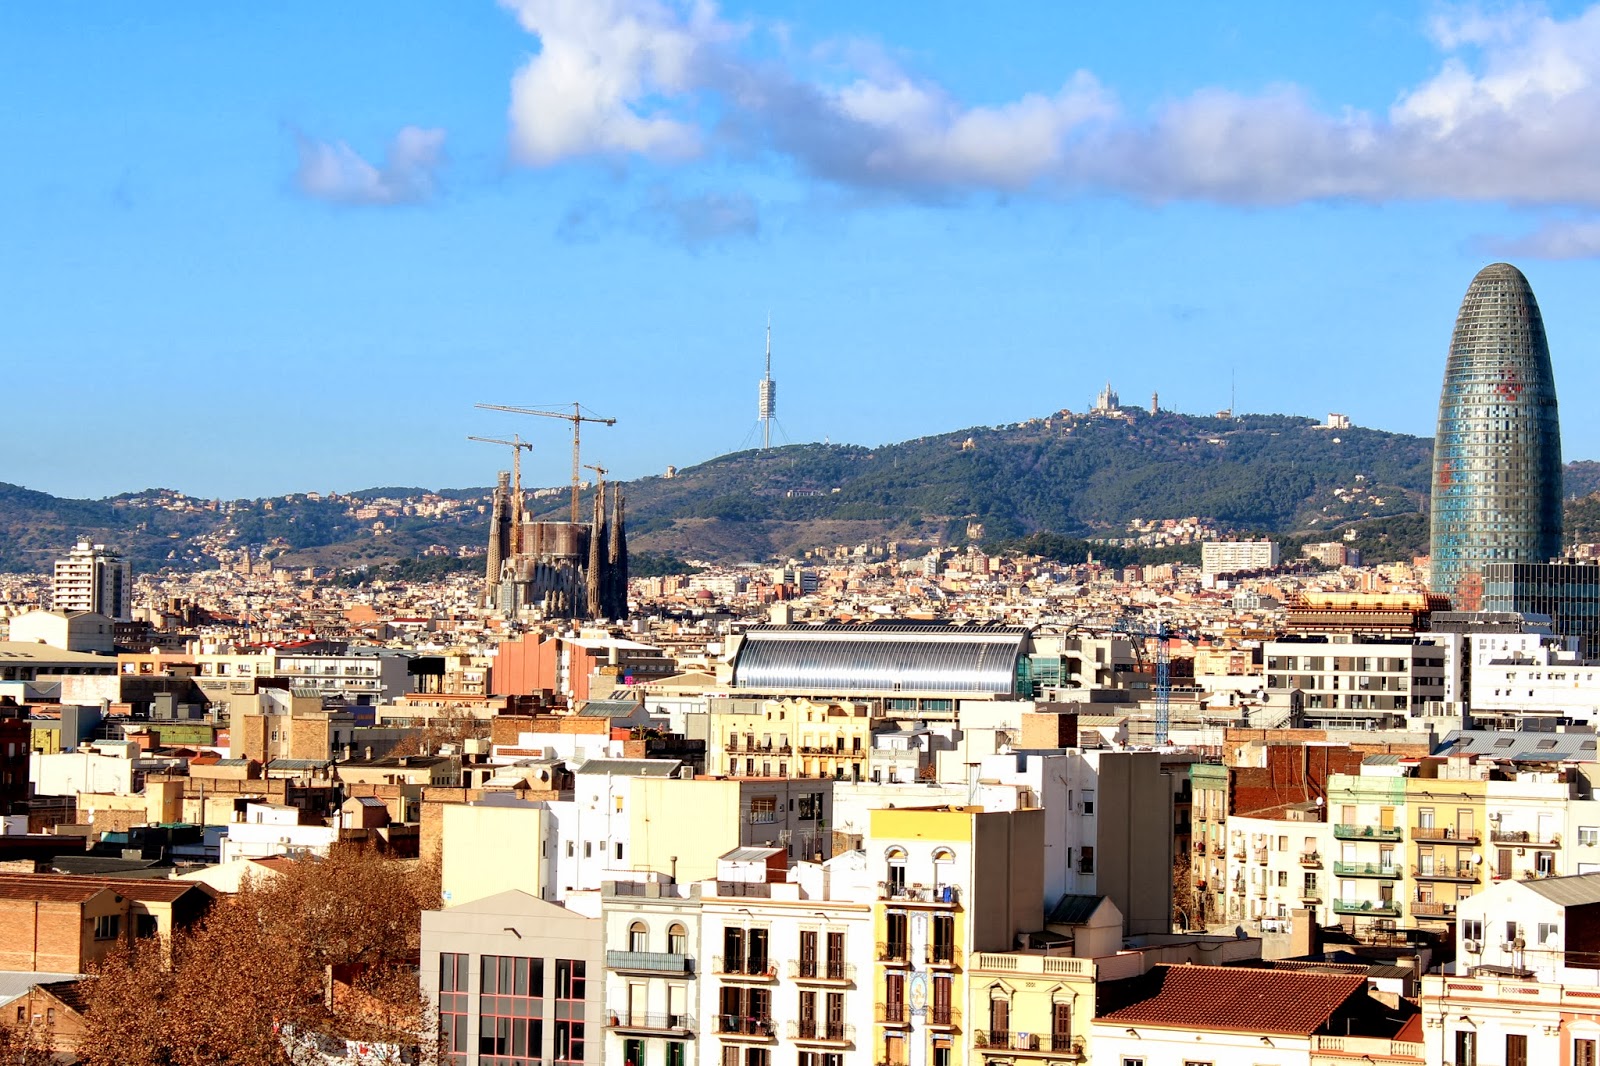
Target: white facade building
[(93, 578)]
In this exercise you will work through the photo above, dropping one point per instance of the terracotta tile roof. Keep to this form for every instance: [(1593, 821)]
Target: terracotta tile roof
[(1236, 999), (50, 890), (71, 888)]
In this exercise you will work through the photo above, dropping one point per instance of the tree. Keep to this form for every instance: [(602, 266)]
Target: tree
[(29, 1045), (324, 951)]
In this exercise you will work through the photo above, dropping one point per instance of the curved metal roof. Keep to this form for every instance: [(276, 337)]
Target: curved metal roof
[(840, 660)]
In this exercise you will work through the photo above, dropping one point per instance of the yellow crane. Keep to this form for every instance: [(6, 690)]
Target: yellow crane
[(517, 446), (577, 418)]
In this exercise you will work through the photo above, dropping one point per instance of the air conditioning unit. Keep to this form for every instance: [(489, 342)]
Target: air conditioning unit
[(1472, 946)]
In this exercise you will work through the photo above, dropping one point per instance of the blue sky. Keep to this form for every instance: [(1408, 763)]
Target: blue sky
[(273, 248)]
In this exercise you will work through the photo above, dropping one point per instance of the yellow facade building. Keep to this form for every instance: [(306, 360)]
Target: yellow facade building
[(951, 882)]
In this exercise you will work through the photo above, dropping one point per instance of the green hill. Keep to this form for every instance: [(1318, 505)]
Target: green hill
[(1074, 476)]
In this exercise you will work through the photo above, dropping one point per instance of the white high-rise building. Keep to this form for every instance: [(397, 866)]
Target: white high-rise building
[(94, 578)]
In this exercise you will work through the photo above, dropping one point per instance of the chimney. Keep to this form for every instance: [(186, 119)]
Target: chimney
[(368, 750)]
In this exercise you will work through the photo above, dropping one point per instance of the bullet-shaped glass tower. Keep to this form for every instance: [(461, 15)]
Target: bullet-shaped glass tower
[(1497, 455)]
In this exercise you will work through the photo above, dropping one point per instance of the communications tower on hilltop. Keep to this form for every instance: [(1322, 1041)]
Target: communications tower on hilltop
[(767, 397)]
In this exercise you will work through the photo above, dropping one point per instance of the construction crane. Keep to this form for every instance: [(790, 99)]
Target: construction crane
[(577, 418), (1159, 633), (517, 446), (600, 472)]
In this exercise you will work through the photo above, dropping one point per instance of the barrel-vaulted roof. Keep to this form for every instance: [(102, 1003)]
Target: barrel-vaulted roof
[(879, 658)]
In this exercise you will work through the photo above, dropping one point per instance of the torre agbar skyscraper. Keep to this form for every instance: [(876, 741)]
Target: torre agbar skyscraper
[(1497, 454)]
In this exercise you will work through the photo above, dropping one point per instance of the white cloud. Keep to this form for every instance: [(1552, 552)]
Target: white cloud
[(1507, 115), (337, 173), (600, 63)]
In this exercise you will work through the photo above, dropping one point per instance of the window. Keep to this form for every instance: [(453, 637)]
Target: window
[(619, 851), (1472, 929), (677, 940), (1088, 802), (764, 810), (895, 926), (571, 988), (1588, 834), (510, 1026), (1086, 860), (944, 938), (107, 926), (675, 1054), (633, 1053), (758, 962), (1583, 1053), (638, 937), (1466, 1048), (896, 883), (1547, 932), (757, 1056), (453, 1005), (1516, 1049), (894, 997)]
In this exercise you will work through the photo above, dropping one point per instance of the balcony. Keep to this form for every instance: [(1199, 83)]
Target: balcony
[(1366, 832), (737, 1025), (941, 895), (1366, 869), (832, 971), (677, 1025), (817, 1031), (1376, 908), (1429, 908), (937, 954), (1522, 836), (893, 951), (1058, 1044), (654, 962), (1462, 871), (1311, 858), (754, 968), (892, 1014), (944, 1017), (1260, 855), (1445, 832)]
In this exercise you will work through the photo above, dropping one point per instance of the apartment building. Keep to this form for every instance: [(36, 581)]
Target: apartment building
[(951, 881), (1280, 861), (514, 979), (790, 962), (96, 579), (653, 969), (1343, 681), (1525, 986), (794, 737)]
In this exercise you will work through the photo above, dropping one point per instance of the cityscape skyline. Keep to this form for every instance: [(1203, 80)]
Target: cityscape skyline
[(405, 207)]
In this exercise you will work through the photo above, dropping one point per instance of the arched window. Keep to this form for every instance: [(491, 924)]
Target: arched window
[(895, 883), (944, 869), (677, 940), (638, 937)]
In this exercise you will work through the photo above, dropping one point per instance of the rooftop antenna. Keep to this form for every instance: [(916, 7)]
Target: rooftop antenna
[(767, 402)]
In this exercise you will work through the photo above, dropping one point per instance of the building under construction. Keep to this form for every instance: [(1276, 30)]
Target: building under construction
[(557, 569)]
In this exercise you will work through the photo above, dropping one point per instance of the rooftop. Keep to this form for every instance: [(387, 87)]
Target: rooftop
[(1236, 999)]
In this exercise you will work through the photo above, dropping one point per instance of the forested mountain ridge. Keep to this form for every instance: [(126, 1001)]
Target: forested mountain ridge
[(1074, 475)]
